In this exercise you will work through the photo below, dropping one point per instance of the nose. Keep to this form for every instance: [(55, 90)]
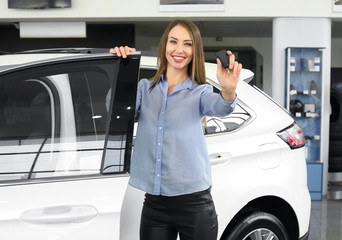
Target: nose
[(179, 48)]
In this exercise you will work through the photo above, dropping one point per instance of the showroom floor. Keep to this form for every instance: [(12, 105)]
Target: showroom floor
[(326, 220)]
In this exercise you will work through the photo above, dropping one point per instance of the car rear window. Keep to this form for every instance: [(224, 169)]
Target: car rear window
[(231, 122)]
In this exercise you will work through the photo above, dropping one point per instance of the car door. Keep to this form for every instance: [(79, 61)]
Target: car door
[(65, 145)]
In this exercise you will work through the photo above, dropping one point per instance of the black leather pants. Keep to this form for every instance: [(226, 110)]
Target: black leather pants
[(192, 216)]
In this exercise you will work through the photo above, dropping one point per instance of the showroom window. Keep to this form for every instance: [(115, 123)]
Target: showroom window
[(53, 121)]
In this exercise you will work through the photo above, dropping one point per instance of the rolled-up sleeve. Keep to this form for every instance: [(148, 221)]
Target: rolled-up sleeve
[(213, 104)]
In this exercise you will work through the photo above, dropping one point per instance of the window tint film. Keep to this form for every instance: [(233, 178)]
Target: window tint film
[(118, 146), (53, 119)]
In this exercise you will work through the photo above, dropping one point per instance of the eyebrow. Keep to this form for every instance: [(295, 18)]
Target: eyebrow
[(184, 40)]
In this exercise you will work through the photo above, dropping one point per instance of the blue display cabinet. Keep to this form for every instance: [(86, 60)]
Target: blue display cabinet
[(303, 100)]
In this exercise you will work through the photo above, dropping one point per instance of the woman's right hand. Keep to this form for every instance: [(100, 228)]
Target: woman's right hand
[(122, 51)]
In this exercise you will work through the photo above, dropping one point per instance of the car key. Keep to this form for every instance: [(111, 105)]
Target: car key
[(224, 58)]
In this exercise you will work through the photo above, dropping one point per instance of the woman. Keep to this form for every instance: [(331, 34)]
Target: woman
[(170, 160)]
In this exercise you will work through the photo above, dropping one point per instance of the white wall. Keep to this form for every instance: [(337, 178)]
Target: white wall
[(111, 10)]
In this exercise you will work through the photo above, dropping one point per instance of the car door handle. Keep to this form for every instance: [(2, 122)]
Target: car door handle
[(60, 214), (219, 158)]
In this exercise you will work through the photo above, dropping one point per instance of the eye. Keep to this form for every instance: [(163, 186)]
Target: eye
[(188, 44), (173, 41)]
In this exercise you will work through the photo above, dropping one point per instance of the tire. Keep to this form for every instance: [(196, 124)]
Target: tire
[(258, 226), (335, 164), (335, 148), (336, 105), (335, 136), (335, 133)]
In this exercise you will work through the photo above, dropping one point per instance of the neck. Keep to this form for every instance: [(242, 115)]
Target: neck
[(173, 77)]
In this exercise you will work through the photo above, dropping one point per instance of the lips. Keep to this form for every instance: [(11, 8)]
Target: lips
[(178, 59)]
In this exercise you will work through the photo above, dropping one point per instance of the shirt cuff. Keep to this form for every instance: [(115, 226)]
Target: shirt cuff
[(228, 104)]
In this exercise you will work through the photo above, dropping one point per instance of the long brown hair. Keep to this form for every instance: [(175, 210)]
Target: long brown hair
[(196, 68)]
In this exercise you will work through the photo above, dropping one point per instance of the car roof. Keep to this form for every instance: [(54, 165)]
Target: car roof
[(210, 68), (34, 57)]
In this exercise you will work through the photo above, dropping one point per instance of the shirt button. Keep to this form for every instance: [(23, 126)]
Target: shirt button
[(158, 175), (160, 128), (158, 160), (159, 144)]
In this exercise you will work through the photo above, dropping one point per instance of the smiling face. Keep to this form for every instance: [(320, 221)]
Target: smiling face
[(179, 49), (190, 58)]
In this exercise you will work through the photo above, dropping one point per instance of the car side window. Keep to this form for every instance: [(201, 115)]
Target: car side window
[(25, 110), (228, 123), (89, 89), (26, 124), (53, 120), (147, 73)]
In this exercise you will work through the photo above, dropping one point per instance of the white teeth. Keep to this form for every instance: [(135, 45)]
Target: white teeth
[(178, 58)]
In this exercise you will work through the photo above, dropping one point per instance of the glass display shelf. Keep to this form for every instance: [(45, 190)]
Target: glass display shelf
[(303, 99)]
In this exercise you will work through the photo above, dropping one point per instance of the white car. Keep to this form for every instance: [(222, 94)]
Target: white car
[(65, 148)]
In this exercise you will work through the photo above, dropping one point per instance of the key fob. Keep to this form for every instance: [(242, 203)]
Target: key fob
[(224, 58)]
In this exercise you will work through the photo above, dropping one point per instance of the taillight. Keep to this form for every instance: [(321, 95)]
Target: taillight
[(293, 136)]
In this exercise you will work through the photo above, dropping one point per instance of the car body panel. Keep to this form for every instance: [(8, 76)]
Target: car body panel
[(75, 209), (249, 162)]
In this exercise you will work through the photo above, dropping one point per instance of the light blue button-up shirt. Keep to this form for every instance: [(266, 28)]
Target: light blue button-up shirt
[(170, 155)]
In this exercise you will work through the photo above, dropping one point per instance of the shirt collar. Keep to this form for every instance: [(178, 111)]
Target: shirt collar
[(161, 78)]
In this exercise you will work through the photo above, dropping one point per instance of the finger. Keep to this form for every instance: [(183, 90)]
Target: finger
[(128, 50), (122, 51), (219, 64), (219, 68), (112, 50), (235, 68), (239, 68), (231, 59), (117, 51)]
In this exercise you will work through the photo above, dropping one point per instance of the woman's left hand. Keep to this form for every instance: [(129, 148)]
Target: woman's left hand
[(228, 79)]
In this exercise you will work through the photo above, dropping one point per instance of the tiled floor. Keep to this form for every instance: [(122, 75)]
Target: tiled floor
[(326, 220)]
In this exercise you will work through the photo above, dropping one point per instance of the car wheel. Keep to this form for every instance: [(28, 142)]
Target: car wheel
[(335, 164), (335, 132), (258, 226), (336, 104)]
